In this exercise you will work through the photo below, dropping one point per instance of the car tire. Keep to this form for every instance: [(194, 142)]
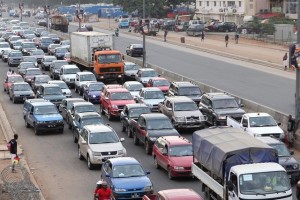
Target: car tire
[(61, 131), (90, 165), (14, 100), (135, 139), (109, 116), (169, 173), (101, 109), (129, 134), (147, 147), (75, 140), (80, 157), (36, 131), (123, 127), (157, 166), (27, 125)]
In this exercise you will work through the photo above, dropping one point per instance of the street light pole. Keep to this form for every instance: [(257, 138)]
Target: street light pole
[(144, 36), (297, 95), (79, 20)]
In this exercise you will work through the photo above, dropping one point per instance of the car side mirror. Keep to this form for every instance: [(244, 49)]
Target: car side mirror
[(122, 139), (278, 123), (147, 172), (83, 142), (241, 105)]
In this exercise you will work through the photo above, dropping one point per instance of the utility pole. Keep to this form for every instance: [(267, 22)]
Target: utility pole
[(297, 95), (144, 36), (79, 20)]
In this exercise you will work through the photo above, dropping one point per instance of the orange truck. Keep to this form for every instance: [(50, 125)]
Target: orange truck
[(94, 51)]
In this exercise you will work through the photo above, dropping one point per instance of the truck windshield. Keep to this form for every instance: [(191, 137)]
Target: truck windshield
[(264, 183), (181, 150), (281, 149), (109, 58), (262, 121), (225, 103)]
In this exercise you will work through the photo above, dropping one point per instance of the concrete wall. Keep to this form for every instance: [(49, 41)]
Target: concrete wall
[(284, 32)]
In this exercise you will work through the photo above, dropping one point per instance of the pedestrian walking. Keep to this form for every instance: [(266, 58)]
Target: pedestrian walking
[(202, 36), (290, 131), (226, 39), (13, 148), (236, 37), (8, 72), (165, 35), (285, 61)]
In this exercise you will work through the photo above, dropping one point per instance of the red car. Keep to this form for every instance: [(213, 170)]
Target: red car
[(10, 79), (159, 82), (174, 154), (112, 101)]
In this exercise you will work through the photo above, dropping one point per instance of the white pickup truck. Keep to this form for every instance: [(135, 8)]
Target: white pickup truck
[(258, 124)]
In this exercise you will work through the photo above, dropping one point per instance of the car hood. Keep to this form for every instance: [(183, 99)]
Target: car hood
[(187, 113), (284, 161), (182, 161), (39, 56), (153, 101), (230, 111), (145, 79), (67, 91), (267, 130), (122, 102), (130, 72), (131, 182), (106, 147), (53, 97), (81, 83), (163, 88), (163, 132), (49, 117), (23, 92)]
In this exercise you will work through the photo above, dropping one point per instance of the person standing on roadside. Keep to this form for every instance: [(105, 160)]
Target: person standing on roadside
[(202, 36), (13, 150), (165, 35), (285, 61), (226, 39), (236, 37), (8, 72), (290, 130)]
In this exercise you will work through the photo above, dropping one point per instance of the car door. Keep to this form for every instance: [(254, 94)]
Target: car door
[(141, 97), (83, 143), (124, 117), (168, 109), (105, 102), (141, 126), (165, 156), (233, 194), (157, 151), (62, 109), (204, 107), (30, 117)]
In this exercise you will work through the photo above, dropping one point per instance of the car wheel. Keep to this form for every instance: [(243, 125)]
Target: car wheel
[(79, 154), (14, 100), (156, 163), (36, 131), (147, 147), (109, 116), (101, 109), (90, 165), (214, 122), (123, 127), (169, 173), (75, 140), (26, 123), (61, 131), (129, 134), (135, 140)]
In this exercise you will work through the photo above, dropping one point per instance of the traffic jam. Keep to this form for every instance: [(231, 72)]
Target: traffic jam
[(234, 154)]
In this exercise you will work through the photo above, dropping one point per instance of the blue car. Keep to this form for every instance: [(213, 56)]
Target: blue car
[(124, 23), (91, 91), (126, 177)]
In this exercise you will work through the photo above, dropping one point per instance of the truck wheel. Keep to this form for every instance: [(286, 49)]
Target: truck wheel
[(79, 154), (101, 109), (129, 134), (135, 139), (156, 163), (90, 165), (169, 173), (147, 147)]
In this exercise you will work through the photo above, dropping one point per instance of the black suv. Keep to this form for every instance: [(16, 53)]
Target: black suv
[(185, 89), (226, 27), (217, 106)]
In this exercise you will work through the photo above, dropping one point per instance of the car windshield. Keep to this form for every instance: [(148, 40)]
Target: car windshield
[(34, 72), (110, 58), (6, 52), (65, 42), (260, 184), (49, 59), (87, 77), (126, 171), (158, 124), (261, 121), (71, 71), (121, 96), (225, 103), (29, 45), (85, 108), (70, 103), (53, 36), (185, 106), (22, 87), (52, 91), (103, 137), (189, 91), (158, 83), (43, 79), (17, 43), (131, 67), (29, 59), (136, 112), (46, 40), (16, 54), (154, 95), (181, 150), (45, 110), (134, 87), (38, 52), (15, 79), (149, 74), (91, 121), (27, 65), (96, 87), (4, 45), (61, 50), (281, 149)]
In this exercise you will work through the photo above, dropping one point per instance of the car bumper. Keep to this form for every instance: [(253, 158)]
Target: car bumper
[(94, 100), (181, 173), (98, 160), (23, 98), (191, 125), (50, 126), (131, 195), (115, 113)]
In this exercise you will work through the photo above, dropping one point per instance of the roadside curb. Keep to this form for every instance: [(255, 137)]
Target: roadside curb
[(8, 134)]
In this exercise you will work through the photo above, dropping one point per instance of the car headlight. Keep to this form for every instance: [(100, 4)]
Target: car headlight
[(179, 119), (33, 94), (120, 190), (114, 106), (150, 105), (97, 153), (94, 96), (178, 168), (296, 166), (122, 152), (152, 139), (148, 188), (256, 134), (222, 117)]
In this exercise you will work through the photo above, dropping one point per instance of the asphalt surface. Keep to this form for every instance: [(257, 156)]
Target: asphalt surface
[(53, 157)]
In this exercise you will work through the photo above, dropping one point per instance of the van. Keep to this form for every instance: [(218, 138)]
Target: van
[(194, 22)]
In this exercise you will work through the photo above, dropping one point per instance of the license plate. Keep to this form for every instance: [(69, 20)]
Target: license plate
[(51, 126), (135, 195)]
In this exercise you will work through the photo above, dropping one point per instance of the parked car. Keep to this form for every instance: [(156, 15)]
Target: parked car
[(10, 79), (30, 73), (135, 50), (130, 70), (144, 74), (46, 62), (174, 154), (151, 97), (66, 105), (51, 92), (92, 91), (182, 26), (19, 92), (195, 30), (119, 172)]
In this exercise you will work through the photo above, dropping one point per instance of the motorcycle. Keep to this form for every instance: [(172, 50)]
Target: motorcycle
[(117, 32)]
